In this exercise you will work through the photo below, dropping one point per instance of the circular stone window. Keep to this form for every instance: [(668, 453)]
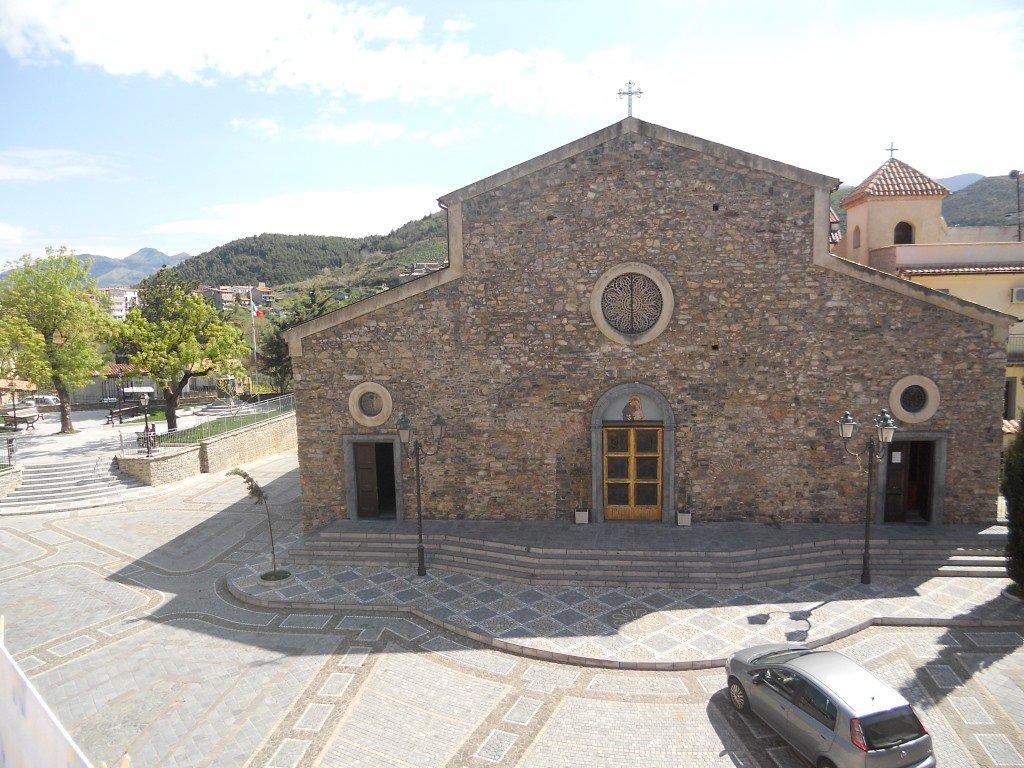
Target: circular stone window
[(914, 399), (632, 303), (370, 404)]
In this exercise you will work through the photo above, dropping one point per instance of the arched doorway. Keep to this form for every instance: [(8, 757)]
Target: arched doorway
[(632, 441)]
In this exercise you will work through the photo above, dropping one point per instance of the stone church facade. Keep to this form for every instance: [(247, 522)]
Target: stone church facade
[(643, 322)]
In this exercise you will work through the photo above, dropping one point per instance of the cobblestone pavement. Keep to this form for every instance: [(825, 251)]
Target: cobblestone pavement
[(629, 628), (123, 620)]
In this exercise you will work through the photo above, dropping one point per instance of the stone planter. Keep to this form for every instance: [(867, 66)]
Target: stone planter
[(582, 516), (684, 518)]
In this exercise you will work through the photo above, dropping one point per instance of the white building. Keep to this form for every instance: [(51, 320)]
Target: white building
[(121, 300)]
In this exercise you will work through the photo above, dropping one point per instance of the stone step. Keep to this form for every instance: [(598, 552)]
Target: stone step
[(795, 555), (681, 576), (75, 484)]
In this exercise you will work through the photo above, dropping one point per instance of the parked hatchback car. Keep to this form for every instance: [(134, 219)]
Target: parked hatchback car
[(37, 400), (830, 709)]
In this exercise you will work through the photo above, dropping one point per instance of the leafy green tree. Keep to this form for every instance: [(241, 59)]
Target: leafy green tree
[(1013, 490), (275, 361), (175, 335), (67, 315), (22, 353)]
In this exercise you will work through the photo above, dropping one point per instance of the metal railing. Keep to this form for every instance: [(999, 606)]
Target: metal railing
[(237, 416), (1015, 348)]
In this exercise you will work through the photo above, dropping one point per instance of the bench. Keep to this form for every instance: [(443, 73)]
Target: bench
[(122, 413), (29, 420)]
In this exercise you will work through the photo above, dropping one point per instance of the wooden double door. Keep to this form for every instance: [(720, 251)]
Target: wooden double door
[(633, 471)]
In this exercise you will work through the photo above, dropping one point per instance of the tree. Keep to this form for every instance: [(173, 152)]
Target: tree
[(68, 317), (22, 353), (175, 335), (1013, 490), (275, 360)]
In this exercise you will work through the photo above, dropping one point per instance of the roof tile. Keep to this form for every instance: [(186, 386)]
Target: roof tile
[(894, 178)]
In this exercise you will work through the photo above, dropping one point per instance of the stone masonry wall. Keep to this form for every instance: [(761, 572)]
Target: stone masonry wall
[(164, 466), (216, 454), (763, 353), (242, 446), (10, 479)]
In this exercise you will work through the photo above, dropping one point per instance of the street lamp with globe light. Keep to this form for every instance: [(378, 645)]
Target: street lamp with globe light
[(415, 449), (876, 447)]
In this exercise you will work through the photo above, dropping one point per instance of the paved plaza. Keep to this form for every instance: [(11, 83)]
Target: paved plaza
[(123, 618)]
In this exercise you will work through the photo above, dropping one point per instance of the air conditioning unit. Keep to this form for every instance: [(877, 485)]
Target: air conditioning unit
[(1017, 295)]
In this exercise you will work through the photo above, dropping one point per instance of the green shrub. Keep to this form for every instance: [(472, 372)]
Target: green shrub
[(1013, 490)]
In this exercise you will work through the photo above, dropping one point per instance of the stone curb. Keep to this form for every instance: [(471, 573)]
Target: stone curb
[(518, 649)]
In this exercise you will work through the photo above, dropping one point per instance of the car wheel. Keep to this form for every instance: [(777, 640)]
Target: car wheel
[(826, 763), (738, 696)]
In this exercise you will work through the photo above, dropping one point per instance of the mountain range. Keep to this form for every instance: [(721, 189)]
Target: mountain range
[(129, 271)]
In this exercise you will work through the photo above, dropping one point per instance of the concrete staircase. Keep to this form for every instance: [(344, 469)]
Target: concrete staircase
[(70, 485), (799, 561)]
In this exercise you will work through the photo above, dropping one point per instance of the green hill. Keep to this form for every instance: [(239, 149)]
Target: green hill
[(989, 202), (289, 263)]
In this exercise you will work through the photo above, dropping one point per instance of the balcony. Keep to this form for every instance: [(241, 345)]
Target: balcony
[(1015, 348)]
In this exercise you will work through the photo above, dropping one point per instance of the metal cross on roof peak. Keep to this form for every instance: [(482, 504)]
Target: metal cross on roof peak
[(891, 150), (630, 93)]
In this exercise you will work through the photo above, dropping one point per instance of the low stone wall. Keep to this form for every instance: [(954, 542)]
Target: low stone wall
[(164, 466), (9, 480), (242, 446), (216, 454)]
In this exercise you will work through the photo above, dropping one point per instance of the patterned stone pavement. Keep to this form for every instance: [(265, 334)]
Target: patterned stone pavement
[(123, 618), (636, 628)]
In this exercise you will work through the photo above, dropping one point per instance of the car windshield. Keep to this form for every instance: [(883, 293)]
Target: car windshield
[(780, 656), (889, 729)]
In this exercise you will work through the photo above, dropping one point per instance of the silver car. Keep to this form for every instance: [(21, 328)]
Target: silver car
[(829, 708)]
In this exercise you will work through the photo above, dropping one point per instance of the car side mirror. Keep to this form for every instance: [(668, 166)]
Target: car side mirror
[(757, 677)]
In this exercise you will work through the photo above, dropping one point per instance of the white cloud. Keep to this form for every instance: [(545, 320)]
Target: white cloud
[(370, 52), (11, 233), (28, 164), (455, 26), (265, 126), (350, 213), (354, 133), (359, 132), (445, 138)]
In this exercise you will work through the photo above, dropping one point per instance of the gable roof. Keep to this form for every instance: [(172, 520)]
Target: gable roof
[(650, 130), (894, 178), (821, 184)]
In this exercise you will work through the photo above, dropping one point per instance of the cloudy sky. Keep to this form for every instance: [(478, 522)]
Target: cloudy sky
[(181, 126)]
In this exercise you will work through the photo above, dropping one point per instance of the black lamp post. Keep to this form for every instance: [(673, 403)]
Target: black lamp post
[(15, 349), (876, 448), (144, 399), (415, 449), (1016, 176)]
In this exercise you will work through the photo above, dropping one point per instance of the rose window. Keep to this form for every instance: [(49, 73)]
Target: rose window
[(632, 303)]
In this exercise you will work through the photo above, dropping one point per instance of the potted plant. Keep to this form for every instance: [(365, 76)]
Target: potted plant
[(580, 477), (682, 516)]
